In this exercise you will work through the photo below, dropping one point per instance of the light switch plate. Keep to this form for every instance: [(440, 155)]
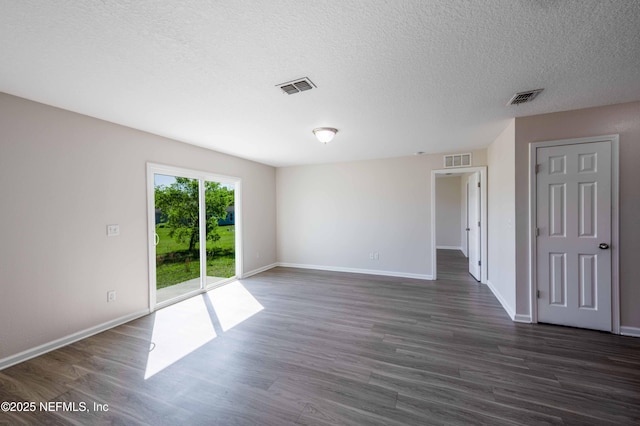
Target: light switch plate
[(113, 230)]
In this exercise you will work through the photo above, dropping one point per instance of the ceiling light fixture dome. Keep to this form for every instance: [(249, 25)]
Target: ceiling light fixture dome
[(325, 134)]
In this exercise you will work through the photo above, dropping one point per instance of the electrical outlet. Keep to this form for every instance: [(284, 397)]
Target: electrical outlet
[(371, 255), (376, 256), (111, 296), (113, 230)]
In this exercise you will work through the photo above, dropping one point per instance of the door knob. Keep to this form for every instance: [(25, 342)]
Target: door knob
[(603, 246)]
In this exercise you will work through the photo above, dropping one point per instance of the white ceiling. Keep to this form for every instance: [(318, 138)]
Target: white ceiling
[(395, 77)]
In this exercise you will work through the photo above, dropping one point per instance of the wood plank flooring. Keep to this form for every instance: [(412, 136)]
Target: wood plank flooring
[(452, 265), (344, 349)]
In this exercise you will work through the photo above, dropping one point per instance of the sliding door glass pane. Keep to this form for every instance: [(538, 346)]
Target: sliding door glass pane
[(221, 240), (177, 236)]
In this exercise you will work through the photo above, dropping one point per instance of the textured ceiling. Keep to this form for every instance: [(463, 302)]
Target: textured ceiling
[(394, 76)]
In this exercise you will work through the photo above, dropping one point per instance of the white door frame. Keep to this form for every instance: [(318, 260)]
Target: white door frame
[(615, 241), (483, 217), (464, 234), (152, 169), (475, 270)]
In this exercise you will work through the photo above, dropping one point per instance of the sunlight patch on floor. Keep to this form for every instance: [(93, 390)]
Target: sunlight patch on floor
[(233, 304), (178, 330)]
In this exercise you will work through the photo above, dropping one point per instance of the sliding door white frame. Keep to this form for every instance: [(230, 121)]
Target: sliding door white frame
[(153, 169)]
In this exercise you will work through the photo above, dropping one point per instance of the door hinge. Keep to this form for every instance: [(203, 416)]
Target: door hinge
[(537, 232), (478, 223), (478, 184), (537, 168), (538, 294), (479, 263)]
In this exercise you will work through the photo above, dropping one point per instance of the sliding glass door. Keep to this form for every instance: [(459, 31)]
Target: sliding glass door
[(177, 232), (193, 224), (221, 243)]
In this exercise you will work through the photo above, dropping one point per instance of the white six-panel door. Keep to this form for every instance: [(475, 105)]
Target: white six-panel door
[(573, 222)]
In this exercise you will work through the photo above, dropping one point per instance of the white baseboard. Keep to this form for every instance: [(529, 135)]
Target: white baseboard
[(357, 271), (448, 248), (630, 331), (64, 341), (508, 309), (257, 271), (523, 318)]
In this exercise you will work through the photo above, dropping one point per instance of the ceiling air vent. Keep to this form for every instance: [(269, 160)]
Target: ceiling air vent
[(296, 86), (522, 97)]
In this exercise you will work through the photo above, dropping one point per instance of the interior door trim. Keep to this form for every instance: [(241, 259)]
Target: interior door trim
[(615, 220), (483, 218)]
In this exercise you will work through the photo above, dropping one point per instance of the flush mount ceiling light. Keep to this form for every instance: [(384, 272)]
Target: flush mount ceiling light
[(325, 134)]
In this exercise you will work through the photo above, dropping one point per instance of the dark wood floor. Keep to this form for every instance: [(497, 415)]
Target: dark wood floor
[(340, 349), (452, 265)]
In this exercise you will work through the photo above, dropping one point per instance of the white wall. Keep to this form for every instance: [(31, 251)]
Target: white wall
[(63, 178), (332, 216), (501, 218), (448, 212)]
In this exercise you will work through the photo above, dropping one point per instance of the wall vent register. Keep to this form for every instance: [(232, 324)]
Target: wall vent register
[(457, 160)]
